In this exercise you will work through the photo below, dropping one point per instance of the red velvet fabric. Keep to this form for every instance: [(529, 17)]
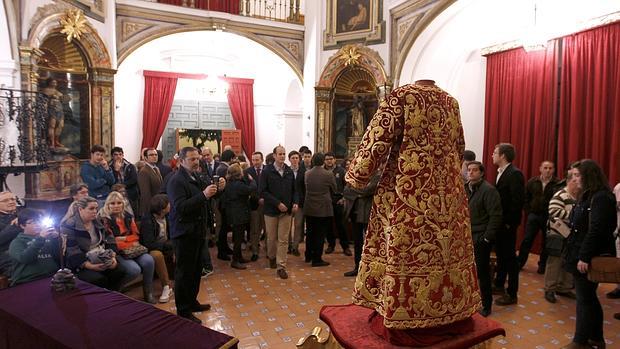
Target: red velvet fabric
[(241, 103), (519, 107), (590, 99), (34, 316), (158, 98), (419, 337), (351, 327)]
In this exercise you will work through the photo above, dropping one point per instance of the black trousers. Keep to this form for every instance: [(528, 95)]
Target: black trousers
[(222, 235), (482, 255), (589, 324), (359, 231), (315, 236), (535, 223), (507, 264), (110, 279), (340, 228), (187, 274), (238, 231)]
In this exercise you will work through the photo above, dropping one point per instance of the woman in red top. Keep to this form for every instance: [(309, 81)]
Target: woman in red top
[(123, 226)]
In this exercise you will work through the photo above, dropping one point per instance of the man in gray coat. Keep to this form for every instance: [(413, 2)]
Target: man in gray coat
[(320, 186), (485, 210)]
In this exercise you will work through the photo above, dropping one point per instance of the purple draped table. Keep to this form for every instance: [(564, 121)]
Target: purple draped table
[(33, 316)]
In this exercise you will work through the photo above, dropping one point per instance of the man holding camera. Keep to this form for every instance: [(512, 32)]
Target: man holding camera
[(35, 251)]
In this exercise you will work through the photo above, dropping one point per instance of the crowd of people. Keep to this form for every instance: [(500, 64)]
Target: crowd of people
[(151, 218)]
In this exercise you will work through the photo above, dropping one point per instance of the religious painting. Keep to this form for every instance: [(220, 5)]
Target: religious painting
[(54, 182), (351, 21), (199, 138), (67, 112)]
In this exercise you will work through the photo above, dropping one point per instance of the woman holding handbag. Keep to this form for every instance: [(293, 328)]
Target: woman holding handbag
[(91, 253), (593, 222), (134, 256)]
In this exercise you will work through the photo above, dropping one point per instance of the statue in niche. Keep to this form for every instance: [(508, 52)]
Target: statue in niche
[(357, 117), (55, 113)]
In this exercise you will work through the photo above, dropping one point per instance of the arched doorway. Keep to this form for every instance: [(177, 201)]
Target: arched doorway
[(347, 96)]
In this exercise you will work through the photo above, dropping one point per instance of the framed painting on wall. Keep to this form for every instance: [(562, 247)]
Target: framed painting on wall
[(350, 21)]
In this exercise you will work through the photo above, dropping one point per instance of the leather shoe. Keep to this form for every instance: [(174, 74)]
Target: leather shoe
[(351, 273), (615, 294), (485, 312), (201, 307), (295, 252), (550, 296), (238, 265), (498, 290), (320, 264), (597, 344), (617, 316), (506, 300), (540, 270), (243, 260), (308, 260), (282, 274), (254, 258), (191, 317), (223, 257), (567, 294), (272, 263), (330, 249), (347, 252)]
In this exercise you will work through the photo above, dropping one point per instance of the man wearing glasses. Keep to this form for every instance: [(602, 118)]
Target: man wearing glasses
[(8, 229), (149, 180)]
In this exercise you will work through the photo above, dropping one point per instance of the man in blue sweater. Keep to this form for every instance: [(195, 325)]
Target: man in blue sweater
[(97, 174)]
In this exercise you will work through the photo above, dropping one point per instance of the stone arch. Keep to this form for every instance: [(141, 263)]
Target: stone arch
[(353, 55), (47, 21), (290, 51)]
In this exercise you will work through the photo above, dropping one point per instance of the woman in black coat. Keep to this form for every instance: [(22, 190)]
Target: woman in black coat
[(237, 208), (155, 235), (593, 222)]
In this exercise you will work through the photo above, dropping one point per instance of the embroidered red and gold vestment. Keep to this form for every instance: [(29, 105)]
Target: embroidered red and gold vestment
[(417, 268)]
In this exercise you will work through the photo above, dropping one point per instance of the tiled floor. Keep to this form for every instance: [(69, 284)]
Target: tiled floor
[(264, 311)]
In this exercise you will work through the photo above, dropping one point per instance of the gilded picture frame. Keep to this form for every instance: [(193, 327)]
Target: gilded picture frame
[(353, 21)]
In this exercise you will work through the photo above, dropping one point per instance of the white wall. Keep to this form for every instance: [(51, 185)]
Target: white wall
[(8, 67), (448, 51), (277, 90)]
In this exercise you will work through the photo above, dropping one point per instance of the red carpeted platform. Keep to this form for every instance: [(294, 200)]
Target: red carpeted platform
[(349, 325)]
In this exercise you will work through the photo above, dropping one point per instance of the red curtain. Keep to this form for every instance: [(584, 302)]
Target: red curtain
[(590, 99), (171, 2), (159, 91), (519, 107), (241, 103)]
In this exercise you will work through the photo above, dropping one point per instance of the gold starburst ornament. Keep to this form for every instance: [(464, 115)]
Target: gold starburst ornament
[(73, 24), (350, 56)]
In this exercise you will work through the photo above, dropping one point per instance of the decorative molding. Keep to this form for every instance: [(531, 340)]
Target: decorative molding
[(408, 20), (47, 21), (73, 24), (136, 26), (583, 26), (363, 57)]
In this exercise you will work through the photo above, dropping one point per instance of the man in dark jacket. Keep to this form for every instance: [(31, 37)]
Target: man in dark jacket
[(125, 173), (511, 187), (485, 211), (277, 188), (358, 203), (188, 197), (538, 193), (338, 204), (257, 219), (222, 226)]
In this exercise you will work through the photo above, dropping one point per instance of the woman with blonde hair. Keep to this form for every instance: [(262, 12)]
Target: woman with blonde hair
[(237, 208), (135, 257)]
